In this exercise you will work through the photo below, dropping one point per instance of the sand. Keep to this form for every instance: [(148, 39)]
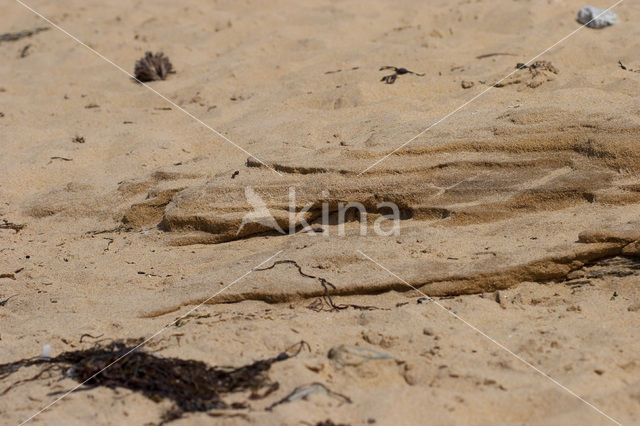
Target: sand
[(520, 212)]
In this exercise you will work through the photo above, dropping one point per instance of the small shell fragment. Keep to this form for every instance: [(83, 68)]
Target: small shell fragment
[(46, 352)]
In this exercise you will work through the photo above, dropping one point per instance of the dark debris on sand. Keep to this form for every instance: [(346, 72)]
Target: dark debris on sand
[(391, 78), (538, 66), (153, 67), (627, 68), (318, 304), (330, 422), (21, 34), (538, 73), (191, 385), (5, 224)]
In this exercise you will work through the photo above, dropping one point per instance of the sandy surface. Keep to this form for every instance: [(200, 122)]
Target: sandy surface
[(520, 212)]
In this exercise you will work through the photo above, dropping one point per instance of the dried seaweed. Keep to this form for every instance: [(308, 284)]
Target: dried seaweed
[(327, 422), (489, 55), (391, 78), (317, 305), (191, 385), (21, 34), (4, 301), (153, 67), (90, 336), (117, 229), (25, 51)]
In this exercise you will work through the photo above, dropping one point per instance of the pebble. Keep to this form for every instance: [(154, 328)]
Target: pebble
[(586, 15)]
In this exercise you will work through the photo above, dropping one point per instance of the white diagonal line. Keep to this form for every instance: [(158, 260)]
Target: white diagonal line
[(487, 89), (500, 345), (178, 107), (149, 338)]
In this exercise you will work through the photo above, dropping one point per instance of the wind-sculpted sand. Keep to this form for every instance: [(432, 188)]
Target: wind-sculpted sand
[(520, 212), (498, 256), (484, 209), (451, 184)]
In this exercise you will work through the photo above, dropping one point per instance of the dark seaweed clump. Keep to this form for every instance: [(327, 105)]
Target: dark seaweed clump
[(191, 385), (153, 67), (21, 34)]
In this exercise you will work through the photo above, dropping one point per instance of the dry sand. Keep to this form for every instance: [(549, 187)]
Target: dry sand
[(520, 213)]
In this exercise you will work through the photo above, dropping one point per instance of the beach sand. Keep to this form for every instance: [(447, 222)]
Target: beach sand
[(520, 211)]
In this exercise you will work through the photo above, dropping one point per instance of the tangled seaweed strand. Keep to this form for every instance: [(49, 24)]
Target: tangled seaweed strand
[(153, 67), (191, 385), (317, 305)]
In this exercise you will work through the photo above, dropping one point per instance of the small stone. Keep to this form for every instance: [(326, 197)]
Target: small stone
[(593, 17), (467, 84)]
